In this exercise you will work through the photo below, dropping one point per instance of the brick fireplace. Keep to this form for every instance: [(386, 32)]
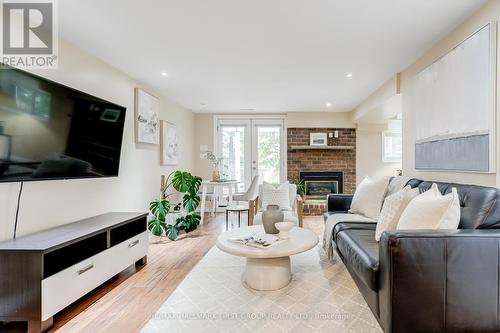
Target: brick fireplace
[(323, 170)]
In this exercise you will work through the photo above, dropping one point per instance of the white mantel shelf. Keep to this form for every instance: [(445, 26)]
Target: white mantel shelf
[(320, 147)]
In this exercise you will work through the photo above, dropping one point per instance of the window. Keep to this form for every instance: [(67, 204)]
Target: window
[(392, 146)]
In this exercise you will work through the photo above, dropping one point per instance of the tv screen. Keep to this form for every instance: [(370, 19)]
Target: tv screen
[(50, 131)]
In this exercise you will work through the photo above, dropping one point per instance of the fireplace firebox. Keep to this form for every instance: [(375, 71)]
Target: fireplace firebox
[(318, 184)]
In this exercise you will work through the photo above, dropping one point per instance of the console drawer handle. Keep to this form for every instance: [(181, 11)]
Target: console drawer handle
[(134, 243), (85, 269)]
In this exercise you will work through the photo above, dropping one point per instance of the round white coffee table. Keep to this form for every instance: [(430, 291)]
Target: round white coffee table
[(268, 269)]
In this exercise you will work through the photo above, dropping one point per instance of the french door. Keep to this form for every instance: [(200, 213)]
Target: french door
[(251, 147)]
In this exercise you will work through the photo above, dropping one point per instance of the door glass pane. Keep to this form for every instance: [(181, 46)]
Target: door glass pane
[(268, 153), (233, 154)]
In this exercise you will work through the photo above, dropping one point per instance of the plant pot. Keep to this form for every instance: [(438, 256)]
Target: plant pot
[(270, 217), (171, 218)]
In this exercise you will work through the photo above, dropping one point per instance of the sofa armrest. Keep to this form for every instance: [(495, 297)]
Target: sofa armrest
[(338, 202), (436, 281)]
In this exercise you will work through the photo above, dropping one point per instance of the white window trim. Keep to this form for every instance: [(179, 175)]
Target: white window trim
[(385, 159)]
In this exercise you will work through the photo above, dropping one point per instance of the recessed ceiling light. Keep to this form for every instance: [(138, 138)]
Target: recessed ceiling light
[(348, 75), (328, 104), (164, 74), (203, 104)]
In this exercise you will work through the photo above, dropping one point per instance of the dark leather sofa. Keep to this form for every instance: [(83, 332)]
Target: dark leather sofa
[(428, 280)]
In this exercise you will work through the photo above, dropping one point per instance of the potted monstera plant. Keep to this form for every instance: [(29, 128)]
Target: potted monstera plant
[(187, 185)]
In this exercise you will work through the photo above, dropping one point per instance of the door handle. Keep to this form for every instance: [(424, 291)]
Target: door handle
[(85, 269), (134, 243)]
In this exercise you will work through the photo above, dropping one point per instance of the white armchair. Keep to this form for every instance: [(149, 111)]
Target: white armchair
[(295, 215)]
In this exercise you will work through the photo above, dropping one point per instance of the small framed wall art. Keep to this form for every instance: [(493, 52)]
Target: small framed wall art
[(147, 114), (169, 148), (318, 139)]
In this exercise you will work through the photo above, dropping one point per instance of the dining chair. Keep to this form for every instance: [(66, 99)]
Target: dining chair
[(249, 194)]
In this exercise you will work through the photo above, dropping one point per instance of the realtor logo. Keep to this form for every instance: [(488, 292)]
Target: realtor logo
[(29, 33)]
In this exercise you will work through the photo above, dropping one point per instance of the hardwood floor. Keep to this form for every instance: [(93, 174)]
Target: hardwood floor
[(126, 302)]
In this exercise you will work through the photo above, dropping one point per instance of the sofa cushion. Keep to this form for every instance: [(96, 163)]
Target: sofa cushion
[(276, 195), (393, 207), (352, 225), (431, 210), (479, 205), (369, 196), (292, 192), (359, 251)]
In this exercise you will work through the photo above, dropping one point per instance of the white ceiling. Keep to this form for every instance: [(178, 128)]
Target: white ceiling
[(265, 55)]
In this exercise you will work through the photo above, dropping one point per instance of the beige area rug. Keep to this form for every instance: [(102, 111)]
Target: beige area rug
[(322, 297)]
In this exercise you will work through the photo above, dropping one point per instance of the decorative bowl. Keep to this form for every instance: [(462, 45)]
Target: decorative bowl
[(284, 228)]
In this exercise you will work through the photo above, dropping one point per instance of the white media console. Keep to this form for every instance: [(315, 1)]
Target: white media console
[(42, 273)]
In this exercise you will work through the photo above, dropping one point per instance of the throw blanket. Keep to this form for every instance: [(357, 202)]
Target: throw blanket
[(330, 225), (396, 184)]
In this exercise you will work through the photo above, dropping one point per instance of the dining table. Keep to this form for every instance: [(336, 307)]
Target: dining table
[(216, 186)]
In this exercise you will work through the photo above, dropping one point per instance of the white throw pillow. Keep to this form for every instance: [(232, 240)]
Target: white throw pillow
[(272, 195), (432, 210), (393, 207), (368, 198)]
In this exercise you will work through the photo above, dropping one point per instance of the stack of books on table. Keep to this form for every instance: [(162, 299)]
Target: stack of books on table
[(258, 240)]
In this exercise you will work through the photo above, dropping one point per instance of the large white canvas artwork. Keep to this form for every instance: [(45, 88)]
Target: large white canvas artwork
[(147, 112), (169, 153), (455, 107)]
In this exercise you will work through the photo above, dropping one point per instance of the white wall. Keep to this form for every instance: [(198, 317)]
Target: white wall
[(369, 154), (372, 116), (204, 131), (204, 135), (381, 105), (489, 12), (46, 204), (394, 94)]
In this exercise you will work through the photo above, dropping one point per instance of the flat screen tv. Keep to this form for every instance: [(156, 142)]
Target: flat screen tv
[(50, 131)]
